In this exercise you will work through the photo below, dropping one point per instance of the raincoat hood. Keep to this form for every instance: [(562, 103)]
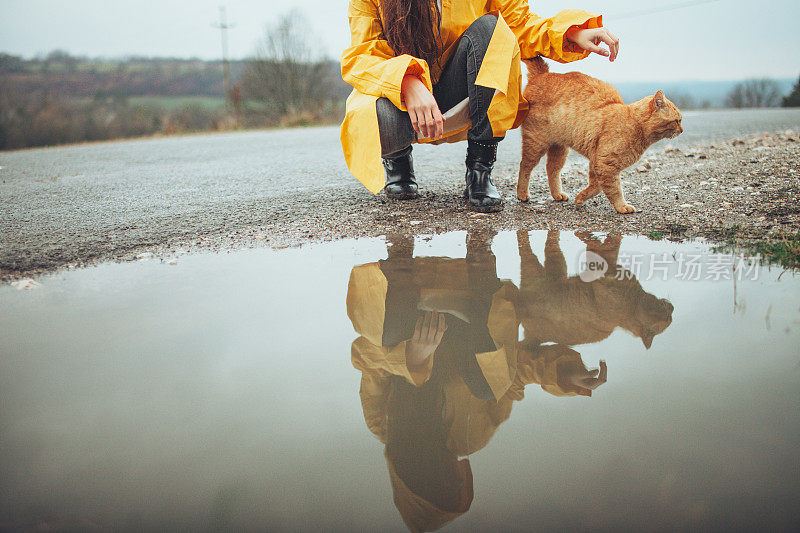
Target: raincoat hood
[(421, 515)]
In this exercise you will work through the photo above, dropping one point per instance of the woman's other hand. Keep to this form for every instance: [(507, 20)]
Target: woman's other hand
[(422, 108), (428, 334), (590, 40)]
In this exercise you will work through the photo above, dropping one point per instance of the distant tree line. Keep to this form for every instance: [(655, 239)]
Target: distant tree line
[(793, 98), (59, 98), (762, 92), (64, 75), (43, 120)]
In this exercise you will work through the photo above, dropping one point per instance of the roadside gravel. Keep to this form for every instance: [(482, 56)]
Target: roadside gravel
[(751, 184)]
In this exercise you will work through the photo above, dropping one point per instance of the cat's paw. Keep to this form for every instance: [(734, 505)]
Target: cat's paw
[(524, 198), (561, 197), (625, 208)]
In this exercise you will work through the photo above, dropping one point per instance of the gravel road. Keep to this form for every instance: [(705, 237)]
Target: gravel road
[(71, 206)]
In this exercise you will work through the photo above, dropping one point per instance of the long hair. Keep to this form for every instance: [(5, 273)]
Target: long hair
[(412, 27)]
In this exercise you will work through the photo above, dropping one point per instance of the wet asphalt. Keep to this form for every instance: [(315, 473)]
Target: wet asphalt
[(73, 205), (77, 203)]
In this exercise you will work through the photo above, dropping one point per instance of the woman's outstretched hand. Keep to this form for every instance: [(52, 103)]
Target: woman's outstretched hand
[(590, 40), (576, 374), (422, 108)]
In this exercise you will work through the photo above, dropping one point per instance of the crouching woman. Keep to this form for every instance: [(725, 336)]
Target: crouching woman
[(428, 71)]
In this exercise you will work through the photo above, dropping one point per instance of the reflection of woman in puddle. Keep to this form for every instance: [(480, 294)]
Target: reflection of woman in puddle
[(440, 370)]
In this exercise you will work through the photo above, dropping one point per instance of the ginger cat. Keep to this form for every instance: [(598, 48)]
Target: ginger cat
[(588, 115)]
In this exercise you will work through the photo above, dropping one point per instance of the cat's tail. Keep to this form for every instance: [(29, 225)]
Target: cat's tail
[(536, 66)]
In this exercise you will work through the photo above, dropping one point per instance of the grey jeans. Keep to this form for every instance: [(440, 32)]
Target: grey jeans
[(456, 83)]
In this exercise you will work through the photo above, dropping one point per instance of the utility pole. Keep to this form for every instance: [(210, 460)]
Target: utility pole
[(223, 26)]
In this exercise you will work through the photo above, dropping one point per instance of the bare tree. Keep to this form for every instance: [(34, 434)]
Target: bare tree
[(288, 74), (754, 93)]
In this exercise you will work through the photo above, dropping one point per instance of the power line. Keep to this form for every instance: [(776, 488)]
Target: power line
[(671, 7), (223, 26)]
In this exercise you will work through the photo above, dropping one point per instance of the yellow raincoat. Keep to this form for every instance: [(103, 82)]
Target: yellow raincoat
[(374, 71)]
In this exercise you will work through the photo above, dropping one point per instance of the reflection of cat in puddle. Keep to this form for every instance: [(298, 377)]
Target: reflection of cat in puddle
[(555, 307)]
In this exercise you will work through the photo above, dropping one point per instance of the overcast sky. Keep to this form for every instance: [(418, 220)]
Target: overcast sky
[(723, 39)]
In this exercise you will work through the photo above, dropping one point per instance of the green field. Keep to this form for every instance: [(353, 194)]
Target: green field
[(172, 103)]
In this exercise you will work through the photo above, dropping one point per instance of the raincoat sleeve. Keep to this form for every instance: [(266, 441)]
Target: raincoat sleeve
[(374, 394), (366, 297), (545, 36), (376, 374), (541, 366), (369, 64), (367, 356)]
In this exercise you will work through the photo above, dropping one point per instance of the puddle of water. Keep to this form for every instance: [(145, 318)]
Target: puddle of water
[(231, 391)]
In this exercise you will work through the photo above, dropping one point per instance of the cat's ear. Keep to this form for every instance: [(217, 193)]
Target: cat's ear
[(658, 100), (647, 339)]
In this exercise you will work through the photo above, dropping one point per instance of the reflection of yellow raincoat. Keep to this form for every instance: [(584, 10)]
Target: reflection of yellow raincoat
[(470, 422), (443, 280), (372, 68)]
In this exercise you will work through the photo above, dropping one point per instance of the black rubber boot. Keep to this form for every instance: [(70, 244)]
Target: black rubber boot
[(481, 193), (400, 181)]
